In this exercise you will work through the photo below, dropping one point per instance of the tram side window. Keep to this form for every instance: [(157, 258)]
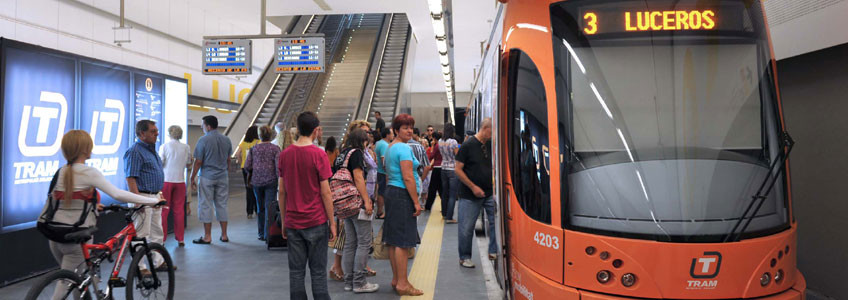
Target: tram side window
[(529, 147)]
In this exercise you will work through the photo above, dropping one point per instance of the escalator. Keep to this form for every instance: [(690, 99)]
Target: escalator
[(266, 95), (365, 61), (387, 90), (303, 86), (342, 94)]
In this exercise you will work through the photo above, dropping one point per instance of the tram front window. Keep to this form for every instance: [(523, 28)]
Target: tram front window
[(668, 117)]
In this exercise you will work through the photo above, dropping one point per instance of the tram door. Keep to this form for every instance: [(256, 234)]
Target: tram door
[(534, 242)]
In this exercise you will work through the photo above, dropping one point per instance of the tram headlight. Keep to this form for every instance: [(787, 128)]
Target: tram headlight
[(778, 276), (628, 280), (765, 279), (604, 276)]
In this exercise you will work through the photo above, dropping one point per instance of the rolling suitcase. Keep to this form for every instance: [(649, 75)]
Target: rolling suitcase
[(275, 227)]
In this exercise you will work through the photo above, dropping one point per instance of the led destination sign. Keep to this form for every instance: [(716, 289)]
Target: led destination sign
[(222, 57), (299, 55), (605, 19)]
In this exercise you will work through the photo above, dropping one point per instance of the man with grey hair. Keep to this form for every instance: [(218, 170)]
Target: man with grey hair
[(176, 157), (279, 139), (474, 170), (144, 175)]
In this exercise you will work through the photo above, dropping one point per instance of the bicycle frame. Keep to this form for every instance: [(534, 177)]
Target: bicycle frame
[(123, 238)]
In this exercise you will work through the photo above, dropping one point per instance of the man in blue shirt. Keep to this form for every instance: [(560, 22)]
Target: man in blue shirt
[(380, 150), (145, 177), (211, 159)]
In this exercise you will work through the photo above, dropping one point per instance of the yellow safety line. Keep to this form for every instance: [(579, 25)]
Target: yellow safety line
[(426, 264)]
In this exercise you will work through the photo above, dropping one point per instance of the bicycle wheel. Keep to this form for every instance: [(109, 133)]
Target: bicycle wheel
[(144, 284), (59, 284)]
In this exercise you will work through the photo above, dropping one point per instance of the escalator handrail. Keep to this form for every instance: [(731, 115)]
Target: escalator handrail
[(376, 78), (249, 95)]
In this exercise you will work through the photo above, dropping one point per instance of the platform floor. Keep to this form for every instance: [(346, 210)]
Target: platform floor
[(245, 269)]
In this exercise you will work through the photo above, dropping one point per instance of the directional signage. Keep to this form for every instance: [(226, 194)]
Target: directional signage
[(221, 57), (299, 55)]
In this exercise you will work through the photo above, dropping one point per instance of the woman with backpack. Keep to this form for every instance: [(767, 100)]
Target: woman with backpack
[(349, 174), (82, 180)]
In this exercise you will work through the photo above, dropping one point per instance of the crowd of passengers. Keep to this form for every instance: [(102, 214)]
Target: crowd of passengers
[(385, 173)]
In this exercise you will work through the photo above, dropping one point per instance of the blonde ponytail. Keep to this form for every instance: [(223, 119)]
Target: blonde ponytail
[(75, 144)]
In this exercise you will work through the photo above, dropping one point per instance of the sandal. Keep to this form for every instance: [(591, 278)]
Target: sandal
[(201, 241), (336, 276), (227, 240), (410, 291), (370, 272)]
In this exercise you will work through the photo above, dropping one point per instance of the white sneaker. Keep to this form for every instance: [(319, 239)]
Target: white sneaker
[(367, 288), (348, 288), (466, 263)]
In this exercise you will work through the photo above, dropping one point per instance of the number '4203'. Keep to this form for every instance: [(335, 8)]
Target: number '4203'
[(546, 240)]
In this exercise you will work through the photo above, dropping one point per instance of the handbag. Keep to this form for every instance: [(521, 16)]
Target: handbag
[(339, 242), (57, 231), (346, 197)]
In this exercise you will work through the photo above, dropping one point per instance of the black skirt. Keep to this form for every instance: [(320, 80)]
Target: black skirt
[(400, 227)]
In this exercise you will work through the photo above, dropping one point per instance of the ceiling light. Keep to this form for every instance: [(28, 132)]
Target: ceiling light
[(439, 27), (444, 60), (435, 6), (442, 45)]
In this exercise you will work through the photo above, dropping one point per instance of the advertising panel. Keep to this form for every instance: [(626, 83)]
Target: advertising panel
[(38, 107), (105, 97), (148, 102)]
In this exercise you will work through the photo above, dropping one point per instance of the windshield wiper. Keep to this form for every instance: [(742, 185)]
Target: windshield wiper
[(762, 193)]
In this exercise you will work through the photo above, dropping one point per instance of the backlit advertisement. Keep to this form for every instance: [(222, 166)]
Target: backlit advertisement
[(148, 102), (38, 107), (105, 95), (45, 94)]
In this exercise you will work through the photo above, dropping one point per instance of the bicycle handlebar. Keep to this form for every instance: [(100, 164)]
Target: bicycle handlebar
[(118, 208)]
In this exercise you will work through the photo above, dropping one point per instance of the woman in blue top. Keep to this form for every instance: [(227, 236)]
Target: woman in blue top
[(400, 229)]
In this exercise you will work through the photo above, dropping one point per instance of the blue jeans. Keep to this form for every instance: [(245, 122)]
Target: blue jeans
[(450, 186), (308, 246), (468, 212), (265, 195)]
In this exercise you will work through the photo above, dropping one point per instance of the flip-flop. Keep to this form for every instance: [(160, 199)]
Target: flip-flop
[(223, 240), (201, 241), (410, 291)]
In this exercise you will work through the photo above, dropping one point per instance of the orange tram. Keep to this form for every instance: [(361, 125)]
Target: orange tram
[(640, 152)]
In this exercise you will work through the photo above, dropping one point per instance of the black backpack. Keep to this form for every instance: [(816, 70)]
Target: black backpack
[(57, 231)]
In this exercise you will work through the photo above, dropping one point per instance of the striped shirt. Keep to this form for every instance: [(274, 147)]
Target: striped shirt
[(420, 154), (142, 163)]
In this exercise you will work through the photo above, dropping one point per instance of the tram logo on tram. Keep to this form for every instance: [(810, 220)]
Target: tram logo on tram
[(706, 266)]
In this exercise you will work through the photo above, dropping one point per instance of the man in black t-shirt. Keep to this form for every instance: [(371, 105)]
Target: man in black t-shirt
[(474, 170), (379, 119)]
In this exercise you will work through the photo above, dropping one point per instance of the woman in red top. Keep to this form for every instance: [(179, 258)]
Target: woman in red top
[(435, 157)]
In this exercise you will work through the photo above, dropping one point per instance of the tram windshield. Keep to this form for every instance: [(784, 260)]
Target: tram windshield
[(668, 118)]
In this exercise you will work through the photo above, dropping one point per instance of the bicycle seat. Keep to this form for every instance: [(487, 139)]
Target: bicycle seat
[(82, 235)]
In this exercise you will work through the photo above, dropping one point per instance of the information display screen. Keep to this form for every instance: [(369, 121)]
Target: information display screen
[(148, 101), (628, 18), (299, 55), (222, 57)]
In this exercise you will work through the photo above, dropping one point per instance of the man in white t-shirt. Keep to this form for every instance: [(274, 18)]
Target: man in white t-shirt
[(175, 156)]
